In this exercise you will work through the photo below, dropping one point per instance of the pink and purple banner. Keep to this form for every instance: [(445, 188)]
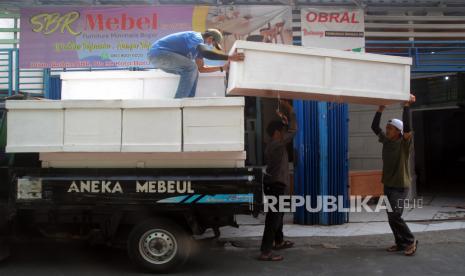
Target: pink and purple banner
[(96, 37), (64, 37)]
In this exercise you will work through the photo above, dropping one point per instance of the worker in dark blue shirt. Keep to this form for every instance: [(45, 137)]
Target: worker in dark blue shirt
[(182, 54)]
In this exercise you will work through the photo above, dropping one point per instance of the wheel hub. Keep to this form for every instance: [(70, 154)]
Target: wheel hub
[(158, 246)]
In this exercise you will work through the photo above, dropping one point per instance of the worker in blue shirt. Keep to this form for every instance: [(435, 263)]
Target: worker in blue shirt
[(182, 54)]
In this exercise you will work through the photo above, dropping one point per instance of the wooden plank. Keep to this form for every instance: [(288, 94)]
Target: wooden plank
[(144, 160)]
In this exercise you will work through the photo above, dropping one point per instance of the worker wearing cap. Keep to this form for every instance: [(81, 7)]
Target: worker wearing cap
[(397, 145), (182, 54)]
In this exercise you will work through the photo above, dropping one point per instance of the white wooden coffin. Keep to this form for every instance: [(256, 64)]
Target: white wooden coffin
[(294, 72)]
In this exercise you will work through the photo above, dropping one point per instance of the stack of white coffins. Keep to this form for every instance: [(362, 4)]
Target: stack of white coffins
[(127, 119), (113, 119)]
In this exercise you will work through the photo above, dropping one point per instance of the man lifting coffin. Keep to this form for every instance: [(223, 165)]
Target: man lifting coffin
[(397, 145), (176, 53), (277, 181)]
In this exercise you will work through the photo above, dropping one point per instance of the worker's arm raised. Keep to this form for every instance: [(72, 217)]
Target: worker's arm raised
[(375, 124), (290, 119), (406, 118), (292, 122)]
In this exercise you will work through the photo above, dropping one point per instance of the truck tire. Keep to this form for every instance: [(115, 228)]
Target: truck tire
[(159, 245)]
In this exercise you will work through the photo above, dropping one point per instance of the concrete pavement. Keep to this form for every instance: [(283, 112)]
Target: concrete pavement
[(437, 213)]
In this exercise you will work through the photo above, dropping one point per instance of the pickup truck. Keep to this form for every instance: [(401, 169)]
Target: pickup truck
[(154, 213)]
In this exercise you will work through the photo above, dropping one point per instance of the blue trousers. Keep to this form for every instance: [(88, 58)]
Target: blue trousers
[(180, 65)]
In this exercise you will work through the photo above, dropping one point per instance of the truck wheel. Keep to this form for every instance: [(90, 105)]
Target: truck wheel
[(159, 245)]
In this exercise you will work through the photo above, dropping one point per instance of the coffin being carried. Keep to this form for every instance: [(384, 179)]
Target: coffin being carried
[(293, 72)]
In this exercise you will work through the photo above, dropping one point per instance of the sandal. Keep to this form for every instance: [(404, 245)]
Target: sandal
[(283, 245), (411, 249), (394, 248), (270, 257)]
